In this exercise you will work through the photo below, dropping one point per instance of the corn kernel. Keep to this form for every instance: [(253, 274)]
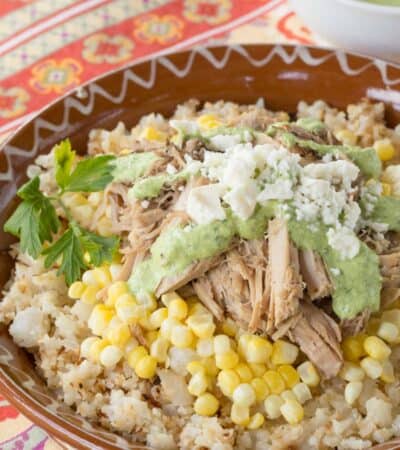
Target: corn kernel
[(136, 355), (387, 375), (393, 316), (198, 309), (244, 395), (146, 367), (89, 295), (110, 356), (99, 319), (95, 198), (198, 384), (260, 387), (229, 327), (177, 309), (116, 267), (284, 353), (116, 290), (388, 331), (168, 297), (288, 396), (227, 360), (228, 381), (372, 326), (386, 189), (202, 325), (151, 336), (302, 392), (86, 346), (346, 136), (240, 414), (258, 369), (272, 406), (152, 134), (257, 350), (102, 275), (118, 335), (181, 336), (76, 290), (308, 374), (205, 347), (159, 349), (210, 366), (244, 372), (222, 344), (353, 348), (157, 317), (372, 367), (96, 348), (145, 323), (292, 411), (209, 121), (130, 345), (352, 391), (275, 381), (243, 341), (351, 372), (167, 326), (289, 374), (376, 348), (89, 279), (385, 150), (206, 405), (256, 421), (195, 366)]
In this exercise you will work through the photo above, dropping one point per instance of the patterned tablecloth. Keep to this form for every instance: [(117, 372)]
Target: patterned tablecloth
[(48, 47)]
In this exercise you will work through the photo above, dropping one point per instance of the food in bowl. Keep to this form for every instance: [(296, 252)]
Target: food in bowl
[(225, 278)]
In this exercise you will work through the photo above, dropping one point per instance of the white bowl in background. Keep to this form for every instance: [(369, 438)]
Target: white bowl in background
[(354, 25)]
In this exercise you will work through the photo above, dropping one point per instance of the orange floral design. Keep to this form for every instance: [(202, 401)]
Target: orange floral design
[(209, 11), (12, 102), (56, 76), (162, 29), (101, 48)]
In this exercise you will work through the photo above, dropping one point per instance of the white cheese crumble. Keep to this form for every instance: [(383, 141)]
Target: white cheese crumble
[(204, 204), (185, 126), (225, 141), (242, 199), (344, 241)]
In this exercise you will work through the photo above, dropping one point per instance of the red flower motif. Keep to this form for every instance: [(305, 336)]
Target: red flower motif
[(7, 411)]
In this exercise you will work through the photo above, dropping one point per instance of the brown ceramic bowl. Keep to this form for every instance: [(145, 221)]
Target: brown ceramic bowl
[(283, 75)]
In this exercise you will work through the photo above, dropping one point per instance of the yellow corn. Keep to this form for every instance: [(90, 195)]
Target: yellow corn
[(110, 355), (244, 395), (152, 134), (95, 198), (257, 350), (302, 392), (89, 294), (151, 336), (157, 317), (308, 374), (167, 298), (99, 318), (227, 360), (392, 315), (385, 150), (228, 381), (209, 121), (159, 349), (222, 344), (292, 411), (86, 346), (289, 374), (102, 275), (387, 375), (136, 355), (144, 321), (177, 309), (96, 349), (130, 345), (272, 406), (260, 387), (229, 327), (240, 414), (386, 189), (115, 291), (167, 326), (244, 372), (198, 384), (205, 347), (104, 226), (202, 325), (181, 336), (351, 372), (284, 353), (276, 383), (388, 331), (76, 290), (146, 367), (195, 366), (376, 348), (352, 391), (206, 405), (372, 367), (346, 136), (210, 366), (353, 348), (258, 369), (256, 421), (288, 396), (118, 335)]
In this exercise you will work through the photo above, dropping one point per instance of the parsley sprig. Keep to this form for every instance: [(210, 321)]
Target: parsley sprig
[(35, 220)]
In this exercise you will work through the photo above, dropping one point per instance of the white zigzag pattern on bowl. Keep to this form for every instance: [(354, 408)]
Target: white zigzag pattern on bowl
[(92, 89)]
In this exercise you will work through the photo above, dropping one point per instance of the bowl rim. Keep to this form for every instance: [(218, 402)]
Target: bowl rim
[(17, 396), (372, 7)]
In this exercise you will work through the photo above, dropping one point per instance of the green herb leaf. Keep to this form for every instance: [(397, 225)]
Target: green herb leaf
[(91, 174), (34, 220), (101, 249), (64, 157), (69, 248)]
